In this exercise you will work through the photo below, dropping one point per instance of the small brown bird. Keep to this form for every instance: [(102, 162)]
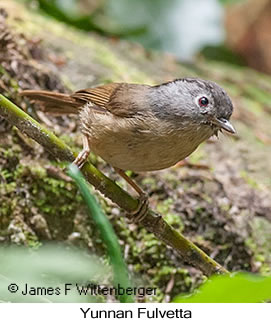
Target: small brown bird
[(142, 127)]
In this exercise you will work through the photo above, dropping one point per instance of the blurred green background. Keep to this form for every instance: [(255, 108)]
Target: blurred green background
[(234, 31), (184, 28)]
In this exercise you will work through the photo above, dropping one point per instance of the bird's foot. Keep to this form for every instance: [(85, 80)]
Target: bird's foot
[(83, 155), (142, 209), (81, 159)]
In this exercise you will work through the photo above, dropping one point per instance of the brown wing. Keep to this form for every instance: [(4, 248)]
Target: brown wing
[(99, 95), (121, 99)]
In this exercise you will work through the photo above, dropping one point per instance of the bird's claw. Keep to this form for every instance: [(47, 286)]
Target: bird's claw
[(141, 211), (81, 159)]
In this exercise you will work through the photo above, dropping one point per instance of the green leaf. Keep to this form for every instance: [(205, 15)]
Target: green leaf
[(107, 234), (235, 288), (48, 267)]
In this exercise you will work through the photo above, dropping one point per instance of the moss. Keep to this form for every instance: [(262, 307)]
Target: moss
[(254, 107), (149, 259), (258, 95), (198, 155), (164, 206), (58, 201), (181, 277), (150, 183), (100, 52), (11, 82), (28, 190), (249, 180), (260, 244)]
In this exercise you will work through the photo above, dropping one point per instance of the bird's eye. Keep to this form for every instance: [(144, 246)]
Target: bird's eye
[(203, 102)]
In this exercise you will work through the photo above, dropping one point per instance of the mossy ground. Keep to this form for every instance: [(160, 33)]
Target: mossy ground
[(223, 206)]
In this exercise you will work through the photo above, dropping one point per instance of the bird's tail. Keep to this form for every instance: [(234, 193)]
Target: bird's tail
[(55, 103)]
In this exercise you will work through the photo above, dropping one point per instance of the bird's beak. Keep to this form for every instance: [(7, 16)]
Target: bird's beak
[(224, 124)]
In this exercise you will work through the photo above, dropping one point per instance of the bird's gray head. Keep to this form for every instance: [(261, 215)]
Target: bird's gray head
[(195, 101)]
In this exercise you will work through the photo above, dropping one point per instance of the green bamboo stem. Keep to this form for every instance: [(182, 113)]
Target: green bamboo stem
[(153, 222)]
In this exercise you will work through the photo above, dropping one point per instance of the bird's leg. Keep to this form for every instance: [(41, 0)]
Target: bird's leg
[(187, 163), (143, 205), (84, 153)]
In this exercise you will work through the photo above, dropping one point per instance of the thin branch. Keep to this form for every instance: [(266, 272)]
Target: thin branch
[(153, 221)]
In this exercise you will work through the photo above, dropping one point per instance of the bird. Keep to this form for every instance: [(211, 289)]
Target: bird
[(142, 127)]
